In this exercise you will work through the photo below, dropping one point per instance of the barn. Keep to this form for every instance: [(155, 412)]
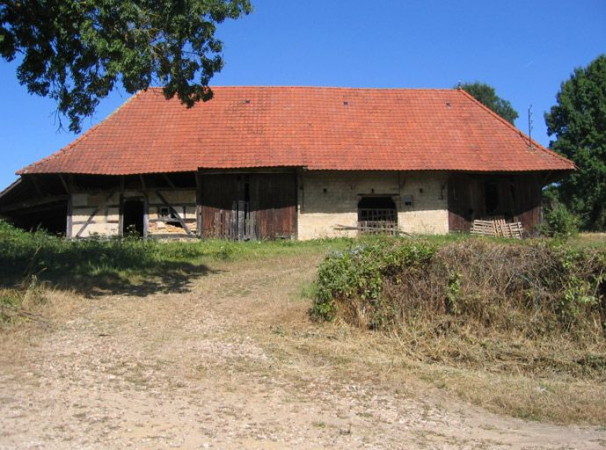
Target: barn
[(258, 163)]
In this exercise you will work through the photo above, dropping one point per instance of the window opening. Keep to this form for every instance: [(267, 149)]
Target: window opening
[(168, 215), (377, 215)]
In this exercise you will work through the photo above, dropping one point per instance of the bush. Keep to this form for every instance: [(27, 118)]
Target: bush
[(483, 293), (560, 221), (359, 273)]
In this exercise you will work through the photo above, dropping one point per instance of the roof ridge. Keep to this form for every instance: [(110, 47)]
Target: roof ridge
[(513, 127), (81, 138), (158, 88)]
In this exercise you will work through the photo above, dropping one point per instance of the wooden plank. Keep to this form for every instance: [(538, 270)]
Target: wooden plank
[(252, 225), (241, 219), (121, 213), (199, 209), (233, 222)]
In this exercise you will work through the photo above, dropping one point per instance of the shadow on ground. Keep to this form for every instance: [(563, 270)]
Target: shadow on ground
[(94, 268), (166, 278)]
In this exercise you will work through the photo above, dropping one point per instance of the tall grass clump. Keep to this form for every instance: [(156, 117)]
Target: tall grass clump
[(533, 306)]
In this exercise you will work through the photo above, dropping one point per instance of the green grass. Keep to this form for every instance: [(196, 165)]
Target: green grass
[(130, 266), (137, 267)]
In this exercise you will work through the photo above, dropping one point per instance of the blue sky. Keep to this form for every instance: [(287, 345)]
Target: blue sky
[(525, 49)]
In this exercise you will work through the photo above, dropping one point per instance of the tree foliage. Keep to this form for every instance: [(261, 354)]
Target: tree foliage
[(578, 121), (486, 95), (76, 51)]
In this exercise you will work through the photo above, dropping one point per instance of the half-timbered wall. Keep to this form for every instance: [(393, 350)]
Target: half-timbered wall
[(93, 214), (166, 212), (307, 204), (172, 213)]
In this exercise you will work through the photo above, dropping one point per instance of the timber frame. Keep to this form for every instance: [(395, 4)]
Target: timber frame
[(265, 203)]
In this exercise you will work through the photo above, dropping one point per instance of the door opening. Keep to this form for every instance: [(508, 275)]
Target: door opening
[(132, 223), (377, 215), (491, 197)]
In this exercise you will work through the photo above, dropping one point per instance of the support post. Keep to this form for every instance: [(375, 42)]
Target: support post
[(69, 218), (199, 222)]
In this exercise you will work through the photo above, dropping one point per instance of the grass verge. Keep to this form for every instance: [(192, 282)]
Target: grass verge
[(517, 327)]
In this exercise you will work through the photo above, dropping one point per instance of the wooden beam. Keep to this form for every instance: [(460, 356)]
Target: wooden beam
[(121, 215), (36, 185), (70, 213), (199, 203), (64, 183), (92, 216), (145, 215), (250, 171), (35, 209), (142, 182), (174, 211), (32, 203), (87, 223), (168, 180)]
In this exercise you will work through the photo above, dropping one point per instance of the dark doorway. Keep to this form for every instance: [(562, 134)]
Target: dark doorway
[(377, 215), (491, 197), (132, 223)]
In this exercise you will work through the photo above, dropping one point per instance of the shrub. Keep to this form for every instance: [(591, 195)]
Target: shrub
[(530, 288), (560, 221)]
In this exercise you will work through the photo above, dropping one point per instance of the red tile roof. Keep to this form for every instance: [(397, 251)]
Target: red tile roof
[(318, 128)]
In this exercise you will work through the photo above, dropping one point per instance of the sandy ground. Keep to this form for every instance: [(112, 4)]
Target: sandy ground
[(227, 365)]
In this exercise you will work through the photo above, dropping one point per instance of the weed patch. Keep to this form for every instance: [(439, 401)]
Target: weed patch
[(533, 307)]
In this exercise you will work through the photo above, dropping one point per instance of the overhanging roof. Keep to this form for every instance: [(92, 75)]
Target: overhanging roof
[(314, 127)]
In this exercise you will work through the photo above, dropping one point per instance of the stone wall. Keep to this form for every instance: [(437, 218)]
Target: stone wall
[(328, 200)]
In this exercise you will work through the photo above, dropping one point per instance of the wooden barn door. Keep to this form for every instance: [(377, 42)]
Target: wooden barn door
[(274, 203), (248, 206)]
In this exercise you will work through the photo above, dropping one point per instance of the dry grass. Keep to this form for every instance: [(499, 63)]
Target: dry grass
[(252, 306), (535, 398), (588, 240), (343, 352)]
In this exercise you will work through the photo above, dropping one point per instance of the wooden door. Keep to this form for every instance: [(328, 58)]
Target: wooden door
[(248, 206)]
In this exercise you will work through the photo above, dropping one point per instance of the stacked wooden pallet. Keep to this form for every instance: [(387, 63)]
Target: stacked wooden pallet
[(499, 227)]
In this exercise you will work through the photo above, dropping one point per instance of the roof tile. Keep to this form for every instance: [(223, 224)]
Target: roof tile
[(319, 128)]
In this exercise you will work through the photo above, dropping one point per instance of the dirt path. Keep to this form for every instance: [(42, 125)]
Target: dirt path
[(232, 364)]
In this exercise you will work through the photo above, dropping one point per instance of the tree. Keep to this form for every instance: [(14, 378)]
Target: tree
[(486, 95), (578, 121), (76, 51)]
